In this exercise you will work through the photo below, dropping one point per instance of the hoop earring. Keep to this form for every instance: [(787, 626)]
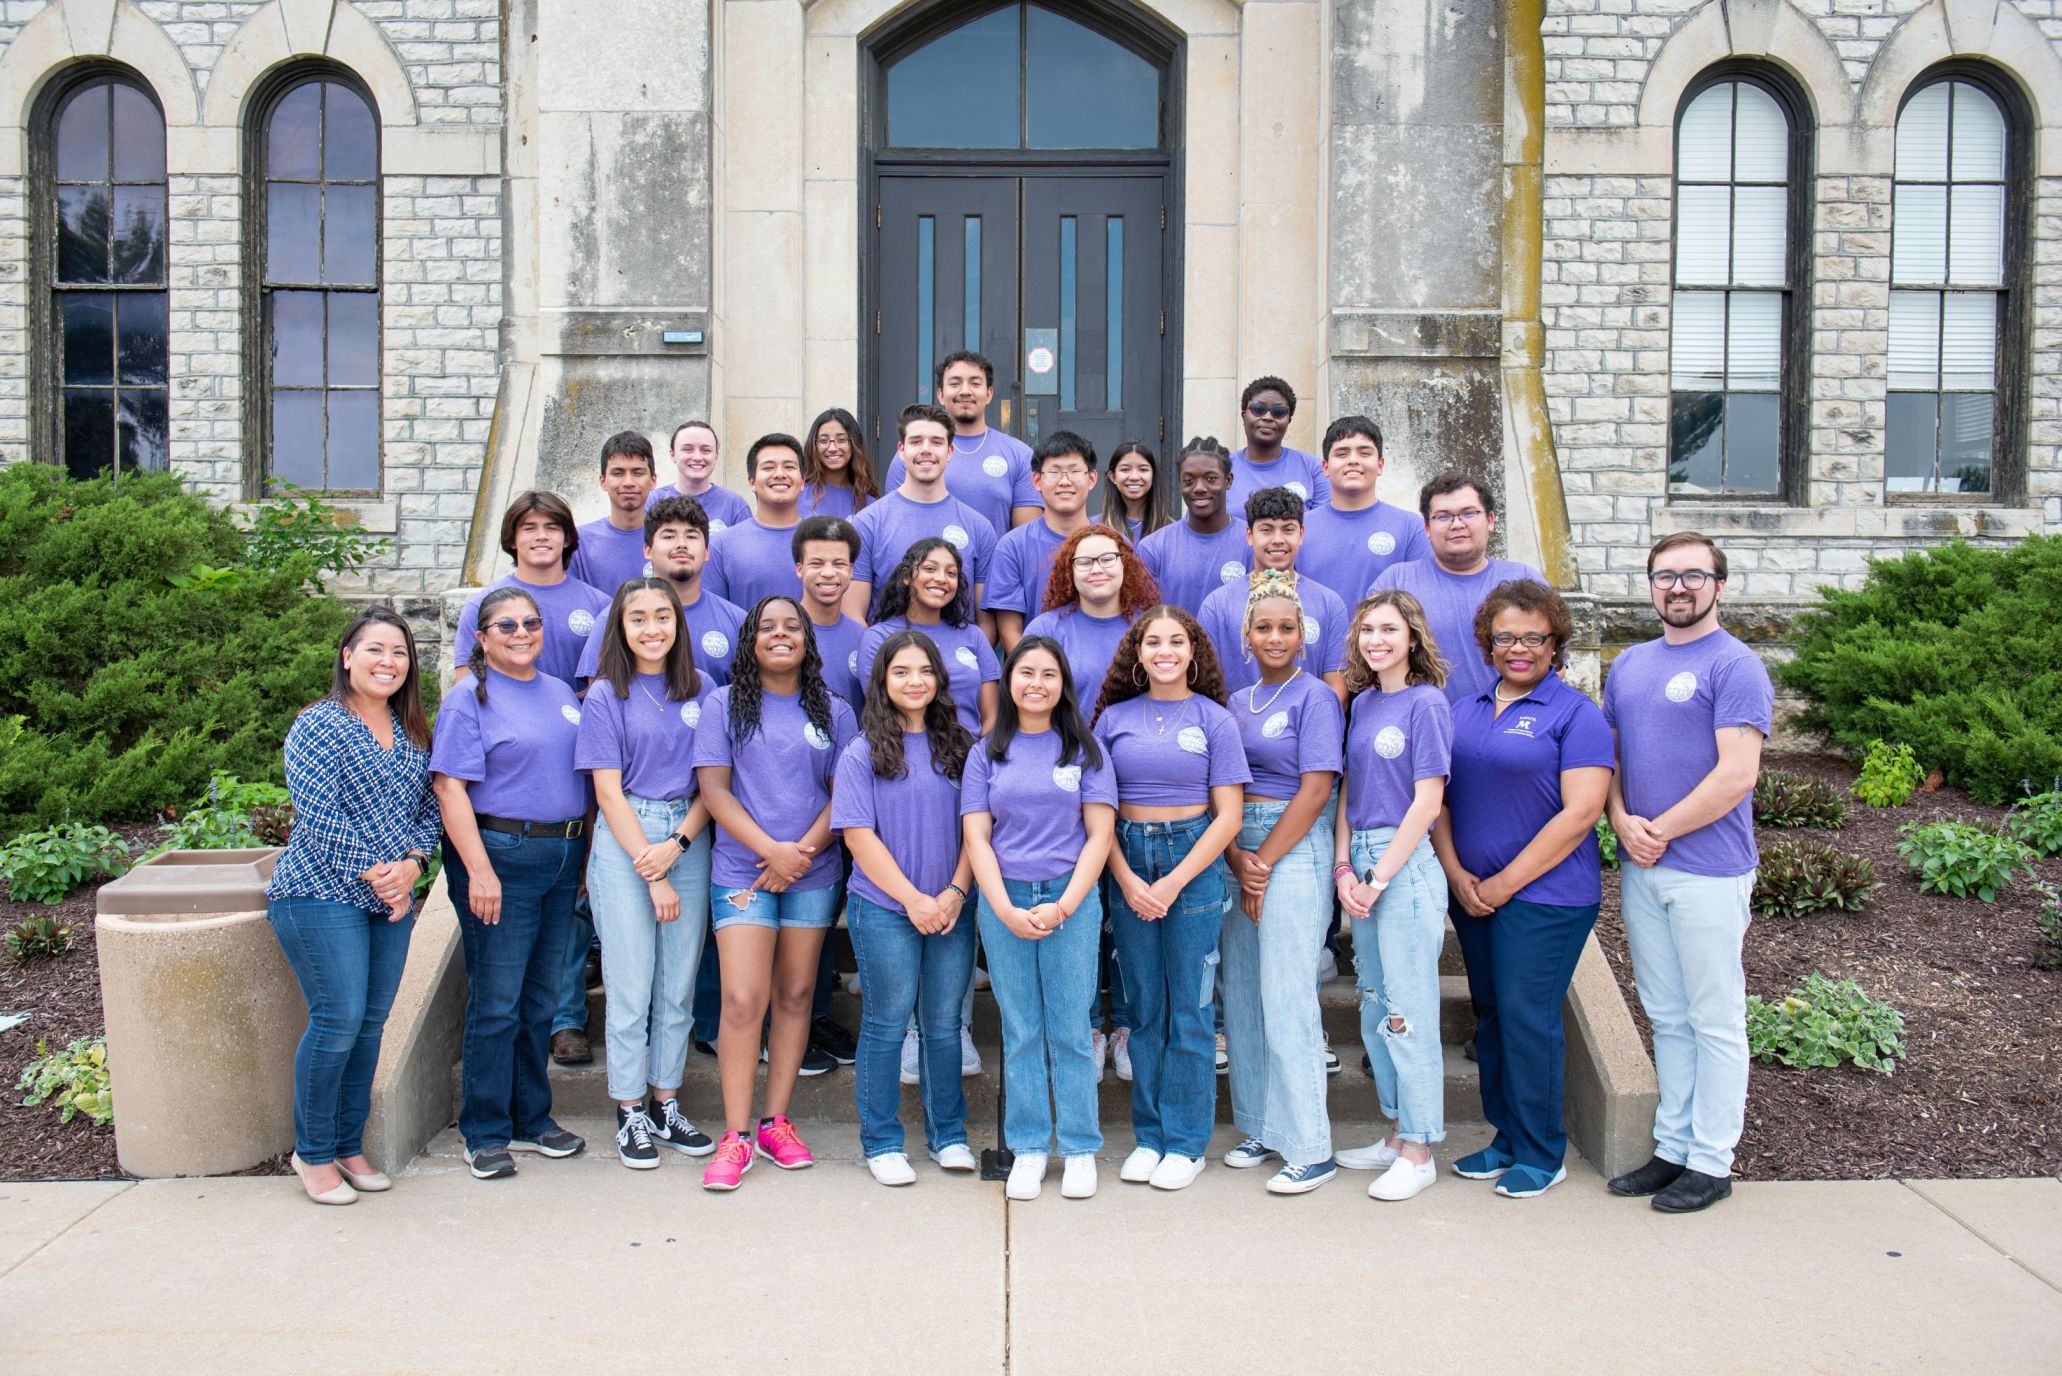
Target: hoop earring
[(1191, 674), (1138, 675)]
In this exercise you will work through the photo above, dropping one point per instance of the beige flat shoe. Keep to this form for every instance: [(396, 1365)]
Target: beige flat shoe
[(371, 1182), (342, 1194)]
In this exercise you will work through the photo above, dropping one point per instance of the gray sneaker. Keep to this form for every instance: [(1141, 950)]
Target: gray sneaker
[(556, 1142), (490, 1163)]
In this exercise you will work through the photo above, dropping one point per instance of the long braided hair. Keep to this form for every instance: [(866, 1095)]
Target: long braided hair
[(476, 663), (881, 720), (745, 692)]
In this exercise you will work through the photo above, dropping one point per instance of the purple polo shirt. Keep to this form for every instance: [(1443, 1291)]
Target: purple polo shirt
[(826, 499), (1347, 550), (1668, 703), (1301, 473), (969, 661), (572, 612), (750, 561), (781, 775), (1392, 741), (1189, 567), (1090, 643), (646, 735), (990, 473), (888, 527), (1451, 601), (1288, 730), (916, 816), (1171, 754), (723, 507), (516, 753), (712, 622), (838, 647), (1021, 568), (1506, 784), (1324, 631), (1035, 803), (608, 556)]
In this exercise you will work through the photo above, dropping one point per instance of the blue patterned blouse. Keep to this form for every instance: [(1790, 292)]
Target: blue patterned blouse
[(356, 805)]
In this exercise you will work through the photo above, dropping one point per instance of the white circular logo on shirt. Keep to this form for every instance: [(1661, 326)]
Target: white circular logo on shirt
[(955, 536), (691, 714), (995, 465), (580, 621), (852, 663), (1381, 542), (814, 734), (967, 657), (570, 713), (1389, 742), (1275, 725), (1299, 489), (717, 527), (1312, 632), (1682, 687), (1193, 740), (647, 568), (1230, 571), (1067, 776), (715, 643)]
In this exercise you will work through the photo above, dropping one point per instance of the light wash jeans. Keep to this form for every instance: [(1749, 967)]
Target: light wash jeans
[(1396, 964), (1685, 931), (1271, 1025), (905, 975), (1044, 989), (647, 966)]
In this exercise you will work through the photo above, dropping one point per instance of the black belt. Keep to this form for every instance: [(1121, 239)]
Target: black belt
[(568, 830)]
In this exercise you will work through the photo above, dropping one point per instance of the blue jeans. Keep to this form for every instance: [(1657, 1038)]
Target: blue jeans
[(1112, 974), (1685, 931), (1044, 990), (1520, 959), (1170, 967), (1396, 966), (349, 963), (1271, 1025), (513, 968), (904, 973), (647, 966), (572, 982)]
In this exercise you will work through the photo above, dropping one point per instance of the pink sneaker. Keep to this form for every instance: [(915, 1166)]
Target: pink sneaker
[(782, 1145), (728, 1166)]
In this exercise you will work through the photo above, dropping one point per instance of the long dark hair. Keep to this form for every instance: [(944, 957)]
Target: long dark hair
[(896, 597), (743, 718), (476, 663), (1126, 679), (407, 700), (1075, 741), (1115, 508), (859, 474), (619, 662), (881, 720)]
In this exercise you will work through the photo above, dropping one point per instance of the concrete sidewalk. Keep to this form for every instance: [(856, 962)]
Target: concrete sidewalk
[(580, 1266)]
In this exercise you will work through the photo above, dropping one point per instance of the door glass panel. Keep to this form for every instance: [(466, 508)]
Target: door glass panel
[(970, 332), (1115, 278), (1088, 91), (926, 302), (1068, 282), (963, 89)]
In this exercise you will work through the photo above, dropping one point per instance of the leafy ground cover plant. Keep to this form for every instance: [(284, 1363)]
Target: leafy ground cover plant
[(37, 938), (1961, 859), (1821, 1023), (1798, 878), (2048, 955), (1890, 775), (2037, 820), (74, 1079), (44, 866), (1784, 799), (1607, 843)]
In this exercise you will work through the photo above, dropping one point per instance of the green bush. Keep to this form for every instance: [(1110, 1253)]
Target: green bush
[(44, 866), (37, 938), (1952, 651), (1890, 775), (1823, 1024), (1607, 843), (1798, 878), (1961, 859), (296, 525), (2037, 821), (2048, 918), (119, 690), (75, 1079), (232, 815), (1783, 799)]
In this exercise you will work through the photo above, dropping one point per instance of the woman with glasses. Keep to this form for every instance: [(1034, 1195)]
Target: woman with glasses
[(1134, 498), (837, 475), (1532, 763), (929, 592)]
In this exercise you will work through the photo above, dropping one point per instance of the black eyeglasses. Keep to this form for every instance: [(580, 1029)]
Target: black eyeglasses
[(1258, 409), (1084, 562), (509, 625), (1531, 640), (1691, 579)]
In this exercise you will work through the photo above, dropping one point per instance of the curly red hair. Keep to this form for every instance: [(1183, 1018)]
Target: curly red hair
[(1134, 595)]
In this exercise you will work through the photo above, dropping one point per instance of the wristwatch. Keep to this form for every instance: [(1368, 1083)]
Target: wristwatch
[(682, 840)]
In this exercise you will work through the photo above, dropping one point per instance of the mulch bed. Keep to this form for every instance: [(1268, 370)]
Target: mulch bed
[(1979, 1093)]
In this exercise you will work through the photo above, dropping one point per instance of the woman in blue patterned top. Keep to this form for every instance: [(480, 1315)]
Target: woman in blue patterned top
[(342, 893)]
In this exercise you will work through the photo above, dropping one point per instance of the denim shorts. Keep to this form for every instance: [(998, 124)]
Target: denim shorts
[(795, 908)]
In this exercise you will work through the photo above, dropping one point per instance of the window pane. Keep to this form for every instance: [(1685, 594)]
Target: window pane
[(89, 431), (1114, 326), (349, 240), (1914, 340), (292, 230), (1697, 341), (926, 304), (1088, 91), (354, 440), (930, 92), (139, 229), (970, 329), (1702, 214), (1976, 236), (1918, 234), (82, 232), (1761, 137), (1965, 433), (1979, 135), (1761, 235), (1696, 425), (139, 137), (143, 428), (82, 135), (1922, 136), (293, 143), (1754, 341), (1753, 423), (1969, 340), (1908, 441), (1704, 139), (296, 342), (1069, 285), (353, 339), (297, 438), (350, 143), (88, 322), (141, 338)]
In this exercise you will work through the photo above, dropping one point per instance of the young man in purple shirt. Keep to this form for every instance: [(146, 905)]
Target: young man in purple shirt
[(756, 558), (537, 531), (1191, 557), (919, 506), (1265, 409), (1691, 711), (1274, 527), (1348, 543), (694, 450), (989, 471), (612, 549), (1454, 583), (1063, 467), (825, 548), (676, 544)]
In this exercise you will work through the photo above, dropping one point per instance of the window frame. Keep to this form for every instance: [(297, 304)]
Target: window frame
[(257, 369)]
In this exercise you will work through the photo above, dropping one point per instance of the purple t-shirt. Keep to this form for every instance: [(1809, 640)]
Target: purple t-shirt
[(1021, 568), (1301, 473), (1324, 631), (888, 528), (750, 561), (781, 775), (1392, 741), (1285, 736), (916, 816), (1347, 550), (1090, 642), (1035, 801), (838, 646), (647, 735), (1668, 703), (607, 556), (1450, 602), (1171, 754), (991, 474), (723, 507), (826, 499), (572, 612), (1189, 567), (1506, 784), (969, 661), (712, 622), (516, 753)]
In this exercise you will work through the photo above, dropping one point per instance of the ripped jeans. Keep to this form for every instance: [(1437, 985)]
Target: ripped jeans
[(1396, 964)]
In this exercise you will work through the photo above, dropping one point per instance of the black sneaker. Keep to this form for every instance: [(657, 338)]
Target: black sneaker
[(555, 1143), (1468, 1049), (1693, 1190), (673, 1130), (591, 971), (490, 1163), (833, 1041), (634, 1134), (1652, 1178), (706, 1048), (817, 1061)]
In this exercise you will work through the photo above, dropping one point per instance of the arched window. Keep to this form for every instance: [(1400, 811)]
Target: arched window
[(103, 301), (1740, 165), (316, 202)]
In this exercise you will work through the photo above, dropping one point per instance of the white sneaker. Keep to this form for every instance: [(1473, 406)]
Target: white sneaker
[(1176, 1172), (891, 1168), (1223, 1056), (1327, 966), (1139, 1166), (969, 1058), (1377, 1156), (1404, 1179), (910, 1048), (1078, 1180), (980, 978), (1027, 1176), (1099, 1046), (1120, 1053), (957, 1157)]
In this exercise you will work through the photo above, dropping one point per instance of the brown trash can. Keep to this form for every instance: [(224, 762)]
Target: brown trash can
[(202, 1011)]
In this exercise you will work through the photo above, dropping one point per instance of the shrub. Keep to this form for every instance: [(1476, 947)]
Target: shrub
[(232, 815), (1890, 775), (1783, 799), (1957, 858), (1821, 1023), (75, 1079), (1798, 878), (1952, 651), (37, 938), (44, 866), (2048, 918), (2036, 820), (1607, 842), (296, 526)]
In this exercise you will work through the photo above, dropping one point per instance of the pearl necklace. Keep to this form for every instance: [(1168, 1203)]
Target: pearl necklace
[(1497, 692), (1254, 692)]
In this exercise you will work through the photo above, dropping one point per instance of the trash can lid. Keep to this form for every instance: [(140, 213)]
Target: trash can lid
[(191, 881)]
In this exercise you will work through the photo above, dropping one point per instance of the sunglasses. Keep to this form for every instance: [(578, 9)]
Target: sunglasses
[(509, 625), (1261, 408)]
